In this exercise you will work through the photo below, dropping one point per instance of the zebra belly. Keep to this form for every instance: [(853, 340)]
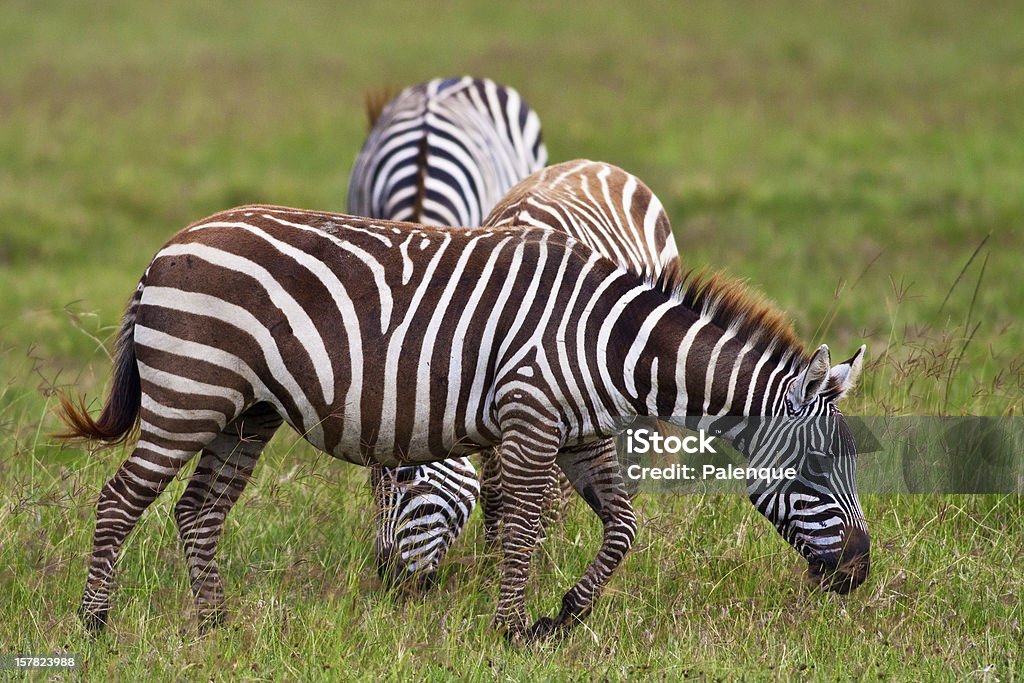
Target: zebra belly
[(364, 446)]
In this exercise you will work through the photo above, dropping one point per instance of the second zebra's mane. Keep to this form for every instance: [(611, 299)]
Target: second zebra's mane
[(374, 102), (730, 304)]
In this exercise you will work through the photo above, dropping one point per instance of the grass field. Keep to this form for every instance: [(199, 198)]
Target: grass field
[(862, 165)]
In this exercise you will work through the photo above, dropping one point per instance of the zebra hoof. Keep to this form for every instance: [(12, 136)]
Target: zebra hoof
[(519, 636), (515, 634), (94, 621), (544, 628), (213, 619)]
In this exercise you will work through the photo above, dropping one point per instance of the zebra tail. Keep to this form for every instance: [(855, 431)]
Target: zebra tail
[(120, 415)]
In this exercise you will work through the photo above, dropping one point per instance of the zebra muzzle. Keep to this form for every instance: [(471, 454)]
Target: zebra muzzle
[(846, 571), (395, 574)]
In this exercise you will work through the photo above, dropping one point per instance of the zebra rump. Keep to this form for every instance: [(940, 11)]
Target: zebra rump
[(444, 152)]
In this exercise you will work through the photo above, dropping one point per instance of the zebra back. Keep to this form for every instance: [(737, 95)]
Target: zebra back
[(445, 151), (603, 206)]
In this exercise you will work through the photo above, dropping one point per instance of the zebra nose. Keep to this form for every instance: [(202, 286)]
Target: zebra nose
[(427, 581), (848, 569), (395, 572), (857, 549)]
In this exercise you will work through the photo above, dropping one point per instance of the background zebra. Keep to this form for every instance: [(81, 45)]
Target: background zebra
[(611, 211), (440, 153), (444, 152), (359, 335)]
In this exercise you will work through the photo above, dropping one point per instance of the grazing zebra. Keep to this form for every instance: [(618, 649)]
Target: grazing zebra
[(393, 343), (608, 209), (421, 510), (441, 153)]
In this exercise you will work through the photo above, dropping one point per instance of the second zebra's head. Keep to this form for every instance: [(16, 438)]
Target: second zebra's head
[(815, 506), (421, 510)]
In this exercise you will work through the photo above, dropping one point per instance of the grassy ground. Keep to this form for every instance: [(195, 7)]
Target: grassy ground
[(849, 161)]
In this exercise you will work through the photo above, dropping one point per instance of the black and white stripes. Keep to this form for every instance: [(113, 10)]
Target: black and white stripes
[(444, 152), (604, 207)]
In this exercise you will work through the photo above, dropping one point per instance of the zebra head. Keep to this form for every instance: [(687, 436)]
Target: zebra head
[(818, 511), (421, 511)]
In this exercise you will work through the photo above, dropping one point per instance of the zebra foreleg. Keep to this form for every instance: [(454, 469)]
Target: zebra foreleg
[(223, 471), (556, 498), (490, 496), (527, 456), (595, 474)]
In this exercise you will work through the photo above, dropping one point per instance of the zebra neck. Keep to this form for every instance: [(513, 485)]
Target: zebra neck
[(679, 363)]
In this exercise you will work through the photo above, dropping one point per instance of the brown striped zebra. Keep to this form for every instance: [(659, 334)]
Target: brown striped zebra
[(422, 508), (395, 343)]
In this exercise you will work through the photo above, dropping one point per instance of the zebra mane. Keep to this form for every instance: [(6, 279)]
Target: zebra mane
[(730, 304), (374, 102)]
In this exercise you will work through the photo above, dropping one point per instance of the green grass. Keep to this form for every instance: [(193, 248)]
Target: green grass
[(848, 161)]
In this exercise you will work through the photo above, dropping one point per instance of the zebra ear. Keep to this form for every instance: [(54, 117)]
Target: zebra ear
[(812, 380), (846, 373)]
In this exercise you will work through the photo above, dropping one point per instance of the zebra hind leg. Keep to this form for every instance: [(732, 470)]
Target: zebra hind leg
[(158, 456), (556, 499), (595, 474), (220, 477)]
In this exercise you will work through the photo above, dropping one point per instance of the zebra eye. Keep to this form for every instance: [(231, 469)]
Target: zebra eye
[(817, 462)]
